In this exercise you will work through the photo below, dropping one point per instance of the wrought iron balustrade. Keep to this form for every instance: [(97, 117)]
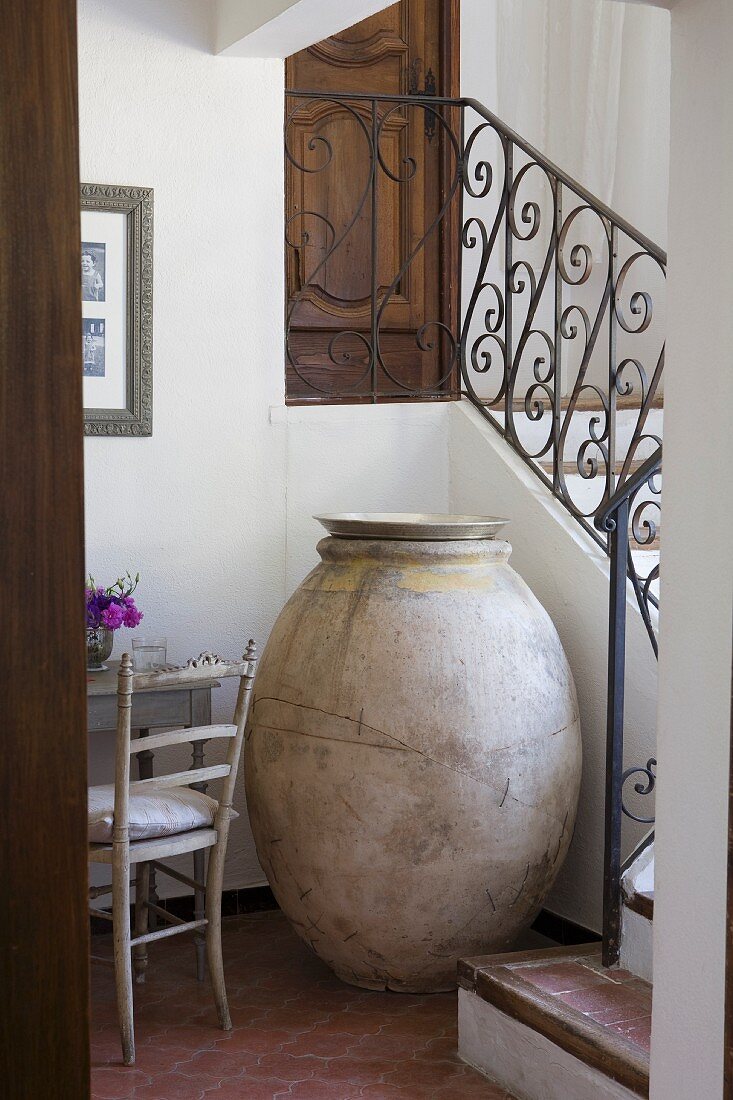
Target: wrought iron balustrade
[(550, 321), (633, 507)]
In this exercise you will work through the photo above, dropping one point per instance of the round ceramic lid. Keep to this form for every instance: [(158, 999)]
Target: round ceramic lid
[(414, 526)]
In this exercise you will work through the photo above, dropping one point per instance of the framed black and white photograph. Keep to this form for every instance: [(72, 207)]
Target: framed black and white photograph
[(92, 333), (93, 259), (117, 309)]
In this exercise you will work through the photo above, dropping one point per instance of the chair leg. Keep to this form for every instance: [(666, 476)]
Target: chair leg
[(199, 873), (142, 892), (214, 881), (123, 961)]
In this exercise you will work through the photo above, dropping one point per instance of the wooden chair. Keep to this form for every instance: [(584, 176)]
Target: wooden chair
[(168, 819)]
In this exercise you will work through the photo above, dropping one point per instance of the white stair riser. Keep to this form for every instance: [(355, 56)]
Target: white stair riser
[(636, 930), (533, 433), (524, 1062), (636, 944), (586, 493)]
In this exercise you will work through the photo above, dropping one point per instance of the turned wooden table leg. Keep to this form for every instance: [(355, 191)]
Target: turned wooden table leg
[(145, 771)]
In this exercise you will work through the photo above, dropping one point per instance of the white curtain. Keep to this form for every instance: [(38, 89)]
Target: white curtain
[(587, 83), (559, 75)]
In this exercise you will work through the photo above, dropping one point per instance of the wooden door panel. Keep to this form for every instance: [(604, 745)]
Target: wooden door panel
[(337, 287), (372, 56), (352, 200)]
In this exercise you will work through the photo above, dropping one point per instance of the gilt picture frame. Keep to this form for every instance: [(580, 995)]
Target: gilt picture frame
[(117, 309)]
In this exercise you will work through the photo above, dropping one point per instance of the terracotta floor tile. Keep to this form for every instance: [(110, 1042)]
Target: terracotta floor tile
[(155, 1058), (409, 1025), (444, 1048), (349, 1024), (475, 1087), (609, 1003), (388, 1048), (244, 1088), (216, 1063), (172, 1086), (320, 1089), (109, 1083), (299, 1033), (253, 1040), (358, 1071), (323, 1044), (639, 1033), (417, 1071), (384, 1092), (563, 977), (613, 974)]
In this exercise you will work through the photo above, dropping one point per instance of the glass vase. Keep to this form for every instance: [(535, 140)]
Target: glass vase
[(99, 647)]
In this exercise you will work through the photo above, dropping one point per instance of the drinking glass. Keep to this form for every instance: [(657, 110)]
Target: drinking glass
[(147, 653)]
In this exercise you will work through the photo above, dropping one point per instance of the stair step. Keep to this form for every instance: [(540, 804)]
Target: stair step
[(648, 547), (593, 404), (572, 467), (599, 1016), (641, 902)]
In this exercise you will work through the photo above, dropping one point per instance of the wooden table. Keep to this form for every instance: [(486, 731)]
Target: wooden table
[(182, 705)]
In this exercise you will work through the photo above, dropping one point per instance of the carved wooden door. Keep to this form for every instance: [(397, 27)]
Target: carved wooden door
[(371, 263)]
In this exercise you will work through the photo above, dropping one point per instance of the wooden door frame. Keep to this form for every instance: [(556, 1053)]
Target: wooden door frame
[(44, 926), (728, 1032), (450, 229), (450, 37)]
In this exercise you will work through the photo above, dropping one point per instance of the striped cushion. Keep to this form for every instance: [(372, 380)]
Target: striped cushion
[(159, 811)]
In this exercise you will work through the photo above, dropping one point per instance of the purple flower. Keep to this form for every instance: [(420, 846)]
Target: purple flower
[(113, 616), (112, 607), (132, 616)]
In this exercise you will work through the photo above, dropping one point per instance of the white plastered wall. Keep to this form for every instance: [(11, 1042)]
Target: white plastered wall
[(697, 611), (360, 458), (278, 28), (569, 575), (199, 507)]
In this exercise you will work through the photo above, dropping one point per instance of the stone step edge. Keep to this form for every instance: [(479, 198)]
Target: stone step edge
[(583, 404), (641, 903), (607, 1052), (571, 468)]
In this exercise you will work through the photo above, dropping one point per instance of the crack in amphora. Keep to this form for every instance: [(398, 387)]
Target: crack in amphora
[(361, 724)]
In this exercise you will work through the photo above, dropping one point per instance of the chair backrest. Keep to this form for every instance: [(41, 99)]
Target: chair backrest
[(208, 666)]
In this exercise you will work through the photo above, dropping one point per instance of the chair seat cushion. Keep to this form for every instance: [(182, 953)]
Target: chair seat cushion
[(158, 811)]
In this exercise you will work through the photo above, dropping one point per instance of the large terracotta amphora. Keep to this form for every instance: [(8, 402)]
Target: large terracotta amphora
[(413, 756)]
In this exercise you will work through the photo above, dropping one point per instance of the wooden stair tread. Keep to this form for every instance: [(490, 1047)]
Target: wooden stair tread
[(641, 902), (571, 467), (584, 404), (601, 1017)]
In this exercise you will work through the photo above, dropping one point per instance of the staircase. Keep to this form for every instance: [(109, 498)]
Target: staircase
[(554, 330), (556, 1024)]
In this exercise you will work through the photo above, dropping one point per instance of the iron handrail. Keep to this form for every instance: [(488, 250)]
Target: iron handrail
[(613, 517), (627, 489), (466, 101)]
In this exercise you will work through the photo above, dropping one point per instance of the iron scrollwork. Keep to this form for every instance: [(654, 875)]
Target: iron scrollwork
[(354, 361), (640, 787)]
